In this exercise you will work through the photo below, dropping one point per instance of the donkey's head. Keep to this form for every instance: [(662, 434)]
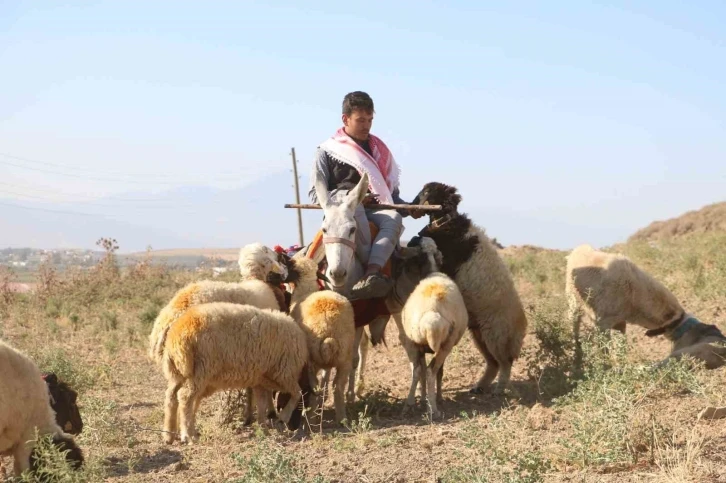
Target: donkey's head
[(339, 230)]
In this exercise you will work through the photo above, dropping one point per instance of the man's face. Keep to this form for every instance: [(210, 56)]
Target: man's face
[(358, 124)]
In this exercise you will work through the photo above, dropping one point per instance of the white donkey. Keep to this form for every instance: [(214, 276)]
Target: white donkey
[(345, 269)]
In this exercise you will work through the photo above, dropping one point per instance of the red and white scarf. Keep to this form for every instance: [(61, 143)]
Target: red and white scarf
[(383, 172)]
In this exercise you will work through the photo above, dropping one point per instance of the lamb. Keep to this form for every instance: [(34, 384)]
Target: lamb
[(328, 321), (434, 318), (610, 290), (24, 408), (222, 345), (497, 321)]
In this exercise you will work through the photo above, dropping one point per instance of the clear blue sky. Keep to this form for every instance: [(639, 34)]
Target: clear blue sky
[(560, 122)]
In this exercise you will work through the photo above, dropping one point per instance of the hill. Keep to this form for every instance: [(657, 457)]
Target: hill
[(710, 218)]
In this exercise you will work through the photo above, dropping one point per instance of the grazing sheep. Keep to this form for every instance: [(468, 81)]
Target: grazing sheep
[(252, 292), (610, 290), (63, 401), (327, 319), (24, 408), (497, 321), (433, 319), (223, 345)]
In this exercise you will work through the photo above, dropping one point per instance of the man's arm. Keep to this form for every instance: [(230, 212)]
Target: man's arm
[(396, 195)]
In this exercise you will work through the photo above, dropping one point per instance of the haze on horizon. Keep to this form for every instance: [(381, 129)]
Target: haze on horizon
[(171, 127)]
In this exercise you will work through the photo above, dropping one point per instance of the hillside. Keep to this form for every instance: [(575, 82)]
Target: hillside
[(710, 218)]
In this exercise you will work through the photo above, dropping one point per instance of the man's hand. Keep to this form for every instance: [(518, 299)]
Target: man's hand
[(370, 199), (416, 214)]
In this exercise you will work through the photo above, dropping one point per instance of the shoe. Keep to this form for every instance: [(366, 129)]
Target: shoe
[(373, 286)]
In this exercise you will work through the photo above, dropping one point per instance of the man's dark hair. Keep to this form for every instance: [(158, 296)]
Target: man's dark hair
[(358, 100)]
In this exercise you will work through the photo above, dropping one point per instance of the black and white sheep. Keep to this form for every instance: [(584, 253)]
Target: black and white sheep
[(497, 321), (24, 409)]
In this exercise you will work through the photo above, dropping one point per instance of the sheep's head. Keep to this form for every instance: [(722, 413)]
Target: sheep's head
[(63, 400), (257, 261), (435, 193), (421, 257), (303, 270), (63, 442)]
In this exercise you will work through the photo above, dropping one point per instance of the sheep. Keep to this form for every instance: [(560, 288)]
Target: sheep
[(259, 262), (610, 290), (24, 408), (328, 321), (252, 292), (497, 321), (433, 319), (222, 345), (63, 401)]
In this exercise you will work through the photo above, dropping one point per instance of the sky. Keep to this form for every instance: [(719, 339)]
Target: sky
[(560, 122)]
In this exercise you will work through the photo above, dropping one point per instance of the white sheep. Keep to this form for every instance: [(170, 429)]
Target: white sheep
[(251, 292), (609, 290), (328, 321), (24, 408), (222, 345), (434, 318)]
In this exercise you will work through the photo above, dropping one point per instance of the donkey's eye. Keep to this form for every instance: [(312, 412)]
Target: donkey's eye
[(325, 230), (352, 231)]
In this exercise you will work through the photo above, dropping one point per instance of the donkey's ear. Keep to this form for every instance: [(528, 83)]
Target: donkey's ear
[(357, 194), (321, 190)]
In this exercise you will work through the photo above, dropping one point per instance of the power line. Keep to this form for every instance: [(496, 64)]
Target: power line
[(91, 203), (68, 212), (133, 178), (111, 197)]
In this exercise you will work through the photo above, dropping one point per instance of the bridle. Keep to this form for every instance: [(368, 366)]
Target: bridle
[(343, 241)]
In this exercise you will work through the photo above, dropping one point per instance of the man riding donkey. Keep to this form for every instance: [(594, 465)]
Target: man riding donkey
[(339, 164)]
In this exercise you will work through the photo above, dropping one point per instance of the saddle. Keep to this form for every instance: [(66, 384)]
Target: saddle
[(365, 310)]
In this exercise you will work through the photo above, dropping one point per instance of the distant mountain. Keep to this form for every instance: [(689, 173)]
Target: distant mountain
[(710, 218), (191, 217)]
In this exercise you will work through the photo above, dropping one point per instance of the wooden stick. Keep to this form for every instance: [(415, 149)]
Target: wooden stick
[(379, 206)]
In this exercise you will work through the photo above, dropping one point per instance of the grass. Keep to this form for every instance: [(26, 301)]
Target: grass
[(615, 419)]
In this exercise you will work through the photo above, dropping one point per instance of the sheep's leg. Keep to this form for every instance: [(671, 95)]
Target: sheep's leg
[(492, 365), (350, 396), (505, 372), (360, 383), (341, 375), (434, 370), (21, 453), (439, 380), (187, 396), (411, 398), (425, 378), (249, 403), (295, 394), (262, 399), (171, 408)]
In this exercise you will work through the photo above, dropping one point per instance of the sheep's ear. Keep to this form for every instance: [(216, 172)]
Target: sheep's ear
[(357, 194), (409, 252)]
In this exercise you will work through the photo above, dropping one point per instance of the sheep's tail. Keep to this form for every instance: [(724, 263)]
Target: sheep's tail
[(329, 350), (178, 359), (436, 329), (159, 343)]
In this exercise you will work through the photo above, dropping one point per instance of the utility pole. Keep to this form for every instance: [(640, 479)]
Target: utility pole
[(297, 198)]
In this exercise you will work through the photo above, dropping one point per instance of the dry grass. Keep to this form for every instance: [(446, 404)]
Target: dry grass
[(618, 420)]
